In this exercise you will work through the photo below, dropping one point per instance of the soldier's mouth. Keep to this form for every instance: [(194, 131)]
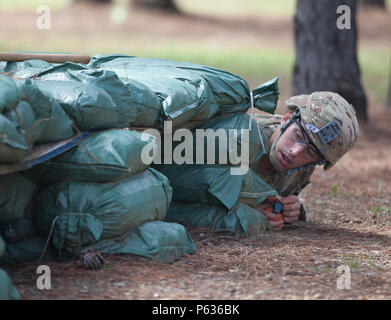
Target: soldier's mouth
[(284, 159)]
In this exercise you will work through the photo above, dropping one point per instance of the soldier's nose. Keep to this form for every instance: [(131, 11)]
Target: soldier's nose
[(297, 149)]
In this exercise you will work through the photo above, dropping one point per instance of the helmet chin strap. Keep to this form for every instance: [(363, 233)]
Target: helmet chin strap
[(273, 154)]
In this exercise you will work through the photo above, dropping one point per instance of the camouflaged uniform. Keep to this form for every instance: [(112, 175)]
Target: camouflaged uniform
[(284, 184)]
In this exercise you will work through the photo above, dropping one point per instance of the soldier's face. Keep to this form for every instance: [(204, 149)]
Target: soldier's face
[(293, 149)]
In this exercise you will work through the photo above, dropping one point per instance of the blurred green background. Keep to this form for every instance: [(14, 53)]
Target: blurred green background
[(252, 38)]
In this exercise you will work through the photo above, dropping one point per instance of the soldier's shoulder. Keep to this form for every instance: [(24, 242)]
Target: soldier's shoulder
[(290, 184), (265, 120), (268, 123)]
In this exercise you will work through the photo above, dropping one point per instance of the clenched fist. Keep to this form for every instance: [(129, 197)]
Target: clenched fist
[(290, 208), (289, 214)]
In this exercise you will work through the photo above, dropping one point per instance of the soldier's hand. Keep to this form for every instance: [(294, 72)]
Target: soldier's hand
[(275, 219), (290, 208)]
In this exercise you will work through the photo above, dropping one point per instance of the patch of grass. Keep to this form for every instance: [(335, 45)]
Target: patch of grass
[(378, 210), (375, 66), (335, 190), (329, 269), (239, 8), (359, 261)]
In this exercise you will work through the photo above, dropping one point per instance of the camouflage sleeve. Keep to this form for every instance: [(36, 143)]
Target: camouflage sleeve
[(303, 214), (301, 187)]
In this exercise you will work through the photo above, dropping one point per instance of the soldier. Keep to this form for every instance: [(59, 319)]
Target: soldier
[(318, 130)]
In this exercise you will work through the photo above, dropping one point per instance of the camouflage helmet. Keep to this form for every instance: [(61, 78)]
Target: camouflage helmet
[(325, 115)]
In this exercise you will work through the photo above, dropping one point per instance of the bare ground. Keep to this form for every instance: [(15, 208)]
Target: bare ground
[(350, 224)]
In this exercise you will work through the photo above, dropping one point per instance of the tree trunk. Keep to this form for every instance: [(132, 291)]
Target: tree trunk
[(326, 54), (372, 3), (389, 89), (166, 5)]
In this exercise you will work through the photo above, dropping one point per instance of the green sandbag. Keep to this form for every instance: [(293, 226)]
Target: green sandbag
[(190, 91), (37, 118), (25, 251), (265, 96), (9, 94), (16, 192), (242, 218), (105, 156), (83, 213), (183, 95), (99, 99), (214, 185), (227, 88), (16, 230), (13, 146), (133, 107), (209, 184), (254, 190), (12, 67), (147, 91), (27, 123), (89, 106), (24, 69), (60, 72), (7, 290), (58, 126), (231, 92), (23, 241), (159, 89), (157, 240), (223, 127)]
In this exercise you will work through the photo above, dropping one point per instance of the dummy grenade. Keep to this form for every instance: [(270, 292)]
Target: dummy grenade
[(275, 207)]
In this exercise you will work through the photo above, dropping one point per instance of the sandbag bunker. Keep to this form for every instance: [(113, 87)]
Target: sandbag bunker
[(99, 193)]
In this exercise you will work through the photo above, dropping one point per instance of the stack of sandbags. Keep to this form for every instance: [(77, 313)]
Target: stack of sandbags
[(102, 193), (128, 91), (101, 190), (7, 290), (82, 213)]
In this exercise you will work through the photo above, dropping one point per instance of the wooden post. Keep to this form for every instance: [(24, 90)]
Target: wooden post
[(49, 57)]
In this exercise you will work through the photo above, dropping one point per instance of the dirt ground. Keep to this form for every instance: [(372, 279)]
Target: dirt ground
[(350, 224)]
